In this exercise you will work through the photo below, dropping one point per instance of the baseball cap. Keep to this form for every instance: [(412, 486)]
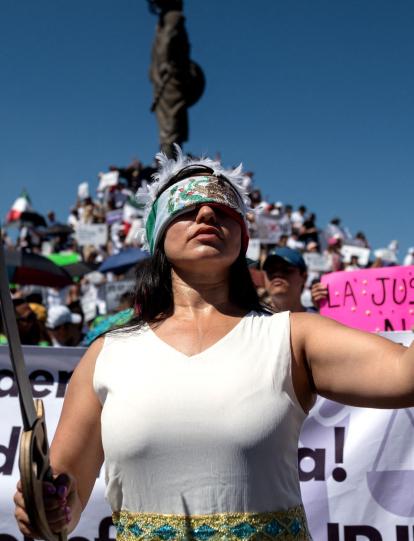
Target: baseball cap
[(290, 256), (59, 315)]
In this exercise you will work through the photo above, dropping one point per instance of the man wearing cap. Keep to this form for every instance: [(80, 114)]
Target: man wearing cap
[(285, 276), (63, 326)]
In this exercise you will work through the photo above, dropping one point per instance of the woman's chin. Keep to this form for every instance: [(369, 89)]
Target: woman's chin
[(210, 257)]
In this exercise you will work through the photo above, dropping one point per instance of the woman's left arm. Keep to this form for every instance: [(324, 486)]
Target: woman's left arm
[(351, 366)]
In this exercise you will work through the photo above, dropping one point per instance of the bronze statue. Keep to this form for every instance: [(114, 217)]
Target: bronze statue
[(178, 82)]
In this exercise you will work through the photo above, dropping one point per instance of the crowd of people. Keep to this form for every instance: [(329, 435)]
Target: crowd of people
[(282, 234), (196, 405)]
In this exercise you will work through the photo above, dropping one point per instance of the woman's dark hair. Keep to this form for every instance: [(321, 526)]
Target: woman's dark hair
[(153, 295)]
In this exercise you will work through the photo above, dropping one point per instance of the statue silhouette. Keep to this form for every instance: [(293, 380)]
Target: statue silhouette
[(177, 81)]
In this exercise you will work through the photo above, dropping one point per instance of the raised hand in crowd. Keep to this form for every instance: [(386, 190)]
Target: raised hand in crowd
[(319, 292)]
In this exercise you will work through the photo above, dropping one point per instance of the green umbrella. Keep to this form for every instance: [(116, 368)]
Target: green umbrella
[(65, 258), (72, 263)]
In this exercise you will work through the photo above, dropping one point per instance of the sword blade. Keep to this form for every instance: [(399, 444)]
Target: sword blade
[(16, 354)]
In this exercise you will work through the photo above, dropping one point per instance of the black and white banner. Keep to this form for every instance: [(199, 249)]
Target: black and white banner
[(356, 465)]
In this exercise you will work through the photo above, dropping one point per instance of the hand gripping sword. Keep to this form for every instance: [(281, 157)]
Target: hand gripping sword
[(34, 448)]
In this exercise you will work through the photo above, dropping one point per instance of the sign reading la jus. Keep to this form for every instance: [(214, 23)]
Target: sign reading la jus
[(373, 300)]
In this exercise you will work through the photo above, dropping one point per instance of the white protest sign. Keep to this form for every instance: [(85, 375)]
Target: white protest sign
[(106, 180), (92, 234), (268, 229), (386, 255), (361, 253), (83, 191), (253, 250), (88, 301), (134, 235), (47, 248), (317, 262), (114, 216), (114, 292)]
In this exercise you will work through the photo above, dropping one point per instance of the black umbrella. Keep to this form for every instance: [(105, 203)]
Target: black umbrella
[(32, 218), (26, 268), (77, 270), (57, 229)]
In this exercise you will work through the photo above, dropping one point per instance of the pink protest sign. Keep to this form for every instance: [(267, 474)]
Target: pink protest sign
[(373, 300)]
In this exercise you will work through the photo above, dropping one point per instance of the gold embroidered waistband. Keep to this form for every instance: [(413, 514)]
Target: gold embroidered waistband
[(287, 525)]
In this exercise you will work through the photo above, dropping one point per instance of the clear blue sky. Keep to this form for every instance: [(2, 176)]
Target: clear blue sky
[(316, 97)]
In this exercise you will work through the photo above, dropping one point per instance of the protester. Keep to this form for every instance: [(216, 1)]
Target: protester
[(309, 232), (63, 326), (409, 258), (335, 230), (115, 204), (361, 240), (31, 330), (51, 218), (283, 239), (312, 247), (298, 218), (285, 276), (333, 251), (294, 243), (198, 403), (353, 264)]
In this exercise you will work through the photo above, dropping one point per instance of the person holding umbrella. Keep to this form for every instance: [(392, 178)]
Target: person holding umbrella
[(198, 402)]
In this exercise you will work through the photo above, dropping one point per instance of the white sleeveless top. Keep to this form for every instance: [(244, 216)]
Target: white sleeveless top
[(216, 432)]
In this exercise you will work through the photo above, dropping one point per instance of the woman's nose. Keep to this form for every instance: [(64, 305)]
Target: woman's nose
[(206, 213)]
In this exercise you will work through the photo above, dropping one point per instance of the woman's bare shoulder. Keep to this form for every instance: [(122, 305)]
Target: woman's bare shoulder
[(86, 365)]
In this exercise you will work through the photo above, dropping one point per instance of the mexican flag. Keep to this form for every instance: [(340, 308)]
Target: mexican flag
[(22, 204), (132, 209)]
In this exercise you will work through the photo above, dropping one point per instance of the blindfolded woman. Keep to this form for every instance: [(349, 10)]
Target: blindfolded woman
[(198, 403)]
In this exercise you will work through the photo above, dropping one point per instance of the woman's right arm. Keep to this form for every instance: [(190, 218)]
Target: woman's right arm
[(76, 453)]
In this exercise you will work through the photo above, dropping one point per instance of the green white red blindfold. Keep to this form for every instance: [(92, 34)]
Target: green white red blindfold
[(185, 196)]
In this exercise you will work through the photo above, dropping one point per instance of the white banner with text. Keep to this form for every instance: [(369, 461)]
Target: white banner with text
[(356, 465)]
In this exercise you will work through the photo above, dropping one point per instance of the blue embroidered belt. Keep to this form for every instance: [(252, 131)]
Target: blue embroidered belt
[(287, 525)]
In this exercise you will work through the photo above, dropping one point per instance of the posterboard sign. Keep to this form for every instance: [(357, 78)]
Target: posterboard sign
[(114, 216), (253, 250), (92, 234), (134, 235), (356, 465), (268, 229), (361, 253), (387, 255), (89, 301), (373, 300), (316, 262), (114, 292), (106, 180), (83, 190)]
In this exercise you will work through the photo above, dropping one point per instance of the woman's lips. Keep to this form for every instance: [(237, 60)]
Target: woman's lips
[(207, 233)]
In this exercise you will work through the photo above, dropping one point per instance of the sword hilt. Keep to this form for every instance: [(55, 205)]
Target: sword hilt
[(34, 470)]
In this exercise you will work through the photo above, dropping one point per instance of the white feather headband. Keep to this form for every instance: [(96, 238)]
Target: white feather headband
[(168, 168)]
